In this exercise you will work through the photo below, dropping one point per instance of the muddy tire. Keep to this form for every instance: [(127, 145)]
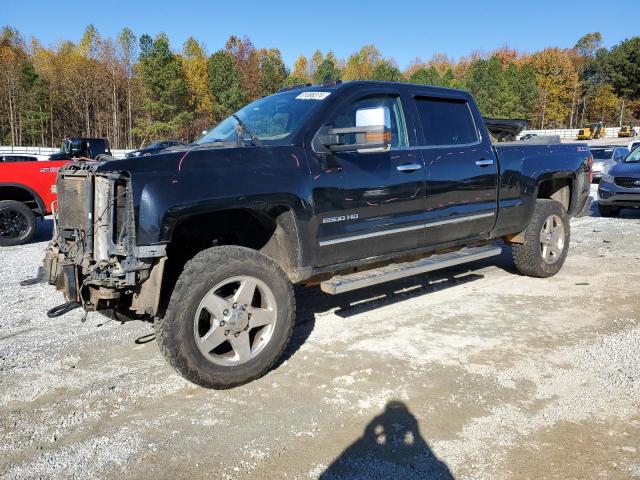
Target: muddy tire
[(229, 319), (17, 223), (546, 241), (606, 211)]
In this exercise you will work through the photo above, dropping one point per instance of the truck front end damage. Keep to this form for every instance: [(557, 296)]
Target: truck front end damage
[(93, 257)]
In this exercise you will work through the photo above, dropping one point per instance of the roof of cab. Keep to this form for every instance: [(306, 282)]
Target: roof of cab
[(338, 84)]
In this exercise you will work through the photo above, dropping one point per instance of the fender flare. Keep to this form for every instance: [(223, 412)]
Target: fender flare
[(286, 245), (33, 193)]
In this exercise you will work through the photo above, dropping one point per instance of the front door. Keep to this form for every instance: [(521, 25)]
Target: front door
[(461, 168), (368, 203)]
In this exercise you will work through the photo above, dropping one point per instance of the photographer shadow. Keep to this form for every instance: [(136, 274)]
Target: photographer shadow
[(391, 447)]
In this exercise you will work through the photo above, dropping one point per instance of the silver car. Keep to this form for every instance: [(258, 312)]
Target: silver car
[(604, 157), (620, 186)]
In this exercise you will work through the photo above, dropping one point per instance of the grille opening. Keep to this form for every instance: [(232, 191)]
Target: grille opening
[(120, 201), (72, 202), (627, 182)]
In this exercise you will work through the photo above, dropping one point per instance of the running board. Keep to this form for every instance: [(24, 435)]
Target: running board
[(346, 283)]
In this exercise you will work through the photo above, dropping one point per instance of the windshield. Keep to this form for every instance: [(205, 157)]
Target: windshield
[(602, 154), (633, 156), (271, 119)]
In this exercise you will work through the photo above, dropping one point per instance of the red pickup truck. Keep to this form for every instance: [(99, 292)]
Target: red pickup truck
[(25, 194)]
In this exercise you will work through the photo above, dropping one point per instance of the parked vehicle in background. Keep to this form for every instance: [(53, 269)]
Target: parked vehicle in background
[(16, 157), (342, 184), (620, 186), (155, 147), (626, 131), (633, 145), (605, 156), (89, 148), (592, 131), (528, 136), (25, 195)]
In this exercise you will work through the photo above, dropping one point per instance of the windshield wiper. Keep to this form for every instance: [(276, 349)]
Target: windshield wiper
[(243, 126)]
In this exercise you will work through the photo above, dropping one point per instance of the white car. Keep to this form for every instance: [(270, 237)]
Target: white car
[(633, 145)]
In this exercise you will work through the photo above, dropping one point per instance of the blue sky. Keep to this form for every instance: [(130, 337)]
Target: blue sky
[(400, 29)]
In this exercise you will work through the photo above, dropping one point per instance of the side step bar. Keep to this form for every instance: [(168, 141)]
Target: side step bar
[(346, 283)]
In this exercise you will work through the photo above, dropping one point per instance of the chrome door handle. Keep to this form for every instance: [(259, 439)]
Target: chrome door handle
[(408, 167), (484, 163)]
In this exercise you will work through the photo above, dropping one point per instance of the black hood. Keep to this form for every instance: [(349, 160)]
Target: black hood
[(177, 159)]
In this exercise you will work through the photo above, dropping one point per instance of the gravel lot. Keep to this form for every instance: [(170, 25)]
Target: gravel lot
[(470, 373)]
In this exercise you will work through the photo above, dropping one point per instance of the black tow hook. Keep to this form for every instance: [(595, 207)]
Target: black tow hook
[(62, 309)]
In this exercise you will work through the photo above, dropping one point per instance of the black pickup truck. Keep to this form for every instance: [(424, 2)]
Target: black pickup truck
[(342, 185)]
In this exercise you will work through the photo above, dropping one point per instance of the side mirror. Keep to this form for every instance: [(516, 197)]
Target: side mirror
[(372, 133)]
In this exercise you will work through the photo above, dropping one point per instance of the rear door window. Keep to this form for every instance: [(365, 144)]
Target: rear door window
[(446, 121)]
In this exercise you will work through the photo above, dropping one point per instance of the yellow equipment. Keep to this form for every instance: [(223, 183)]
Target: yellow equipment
[(592, 131), (626, 131)]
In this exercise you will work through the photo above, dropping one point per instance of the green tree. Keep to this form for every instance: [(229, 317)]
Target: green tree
[(225, 84), (523, 82), (327, 70), (622, 67), (425, 76), (32, 104), (165, 96), (273, 72), (387, 72), (127, 44)]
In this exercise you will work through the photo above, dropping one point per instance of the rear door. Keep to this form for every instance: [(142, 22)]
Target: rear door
[(461, 167), (369, 203)]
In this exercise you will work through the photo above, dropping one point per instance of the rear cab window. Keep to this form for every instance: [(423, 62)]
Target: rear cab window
[(446, 121)]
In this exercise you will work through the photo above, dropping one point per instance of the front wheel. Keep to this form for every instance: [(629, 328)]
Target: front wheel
[(546, 241), (17, 223), (229, 319)]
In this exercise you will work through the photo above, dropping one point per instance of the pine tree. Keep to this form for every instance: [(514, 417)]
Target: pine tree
[(385, 71), (225, 84), (327, 70), (273, 72), (164, 89)]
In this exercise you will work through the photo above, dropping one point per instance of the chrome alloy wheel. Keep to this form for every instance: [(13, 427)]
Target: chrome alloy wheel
[(235, 320), (552, 239)]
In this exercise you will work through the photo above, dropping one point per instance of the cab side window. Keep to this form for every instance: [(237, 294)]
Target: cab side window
[(446, 121), (354, 115)]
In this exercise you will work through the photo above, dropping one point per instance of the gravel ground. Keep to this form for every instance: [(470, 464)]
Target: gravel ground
[(470, 373)]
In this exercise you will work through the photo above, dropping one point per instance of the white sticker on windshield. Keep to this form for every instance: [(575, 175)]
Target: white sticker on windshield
[(313, 95)]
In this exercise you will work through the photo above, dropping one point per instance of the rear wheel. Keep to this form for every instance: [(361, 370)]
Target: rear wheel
[(546, 241), (607, 211), (229, 319), (17, 223)]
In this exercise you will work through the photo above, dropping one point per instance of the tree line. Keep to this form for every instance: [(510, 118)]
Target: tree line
[(134, 90)]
